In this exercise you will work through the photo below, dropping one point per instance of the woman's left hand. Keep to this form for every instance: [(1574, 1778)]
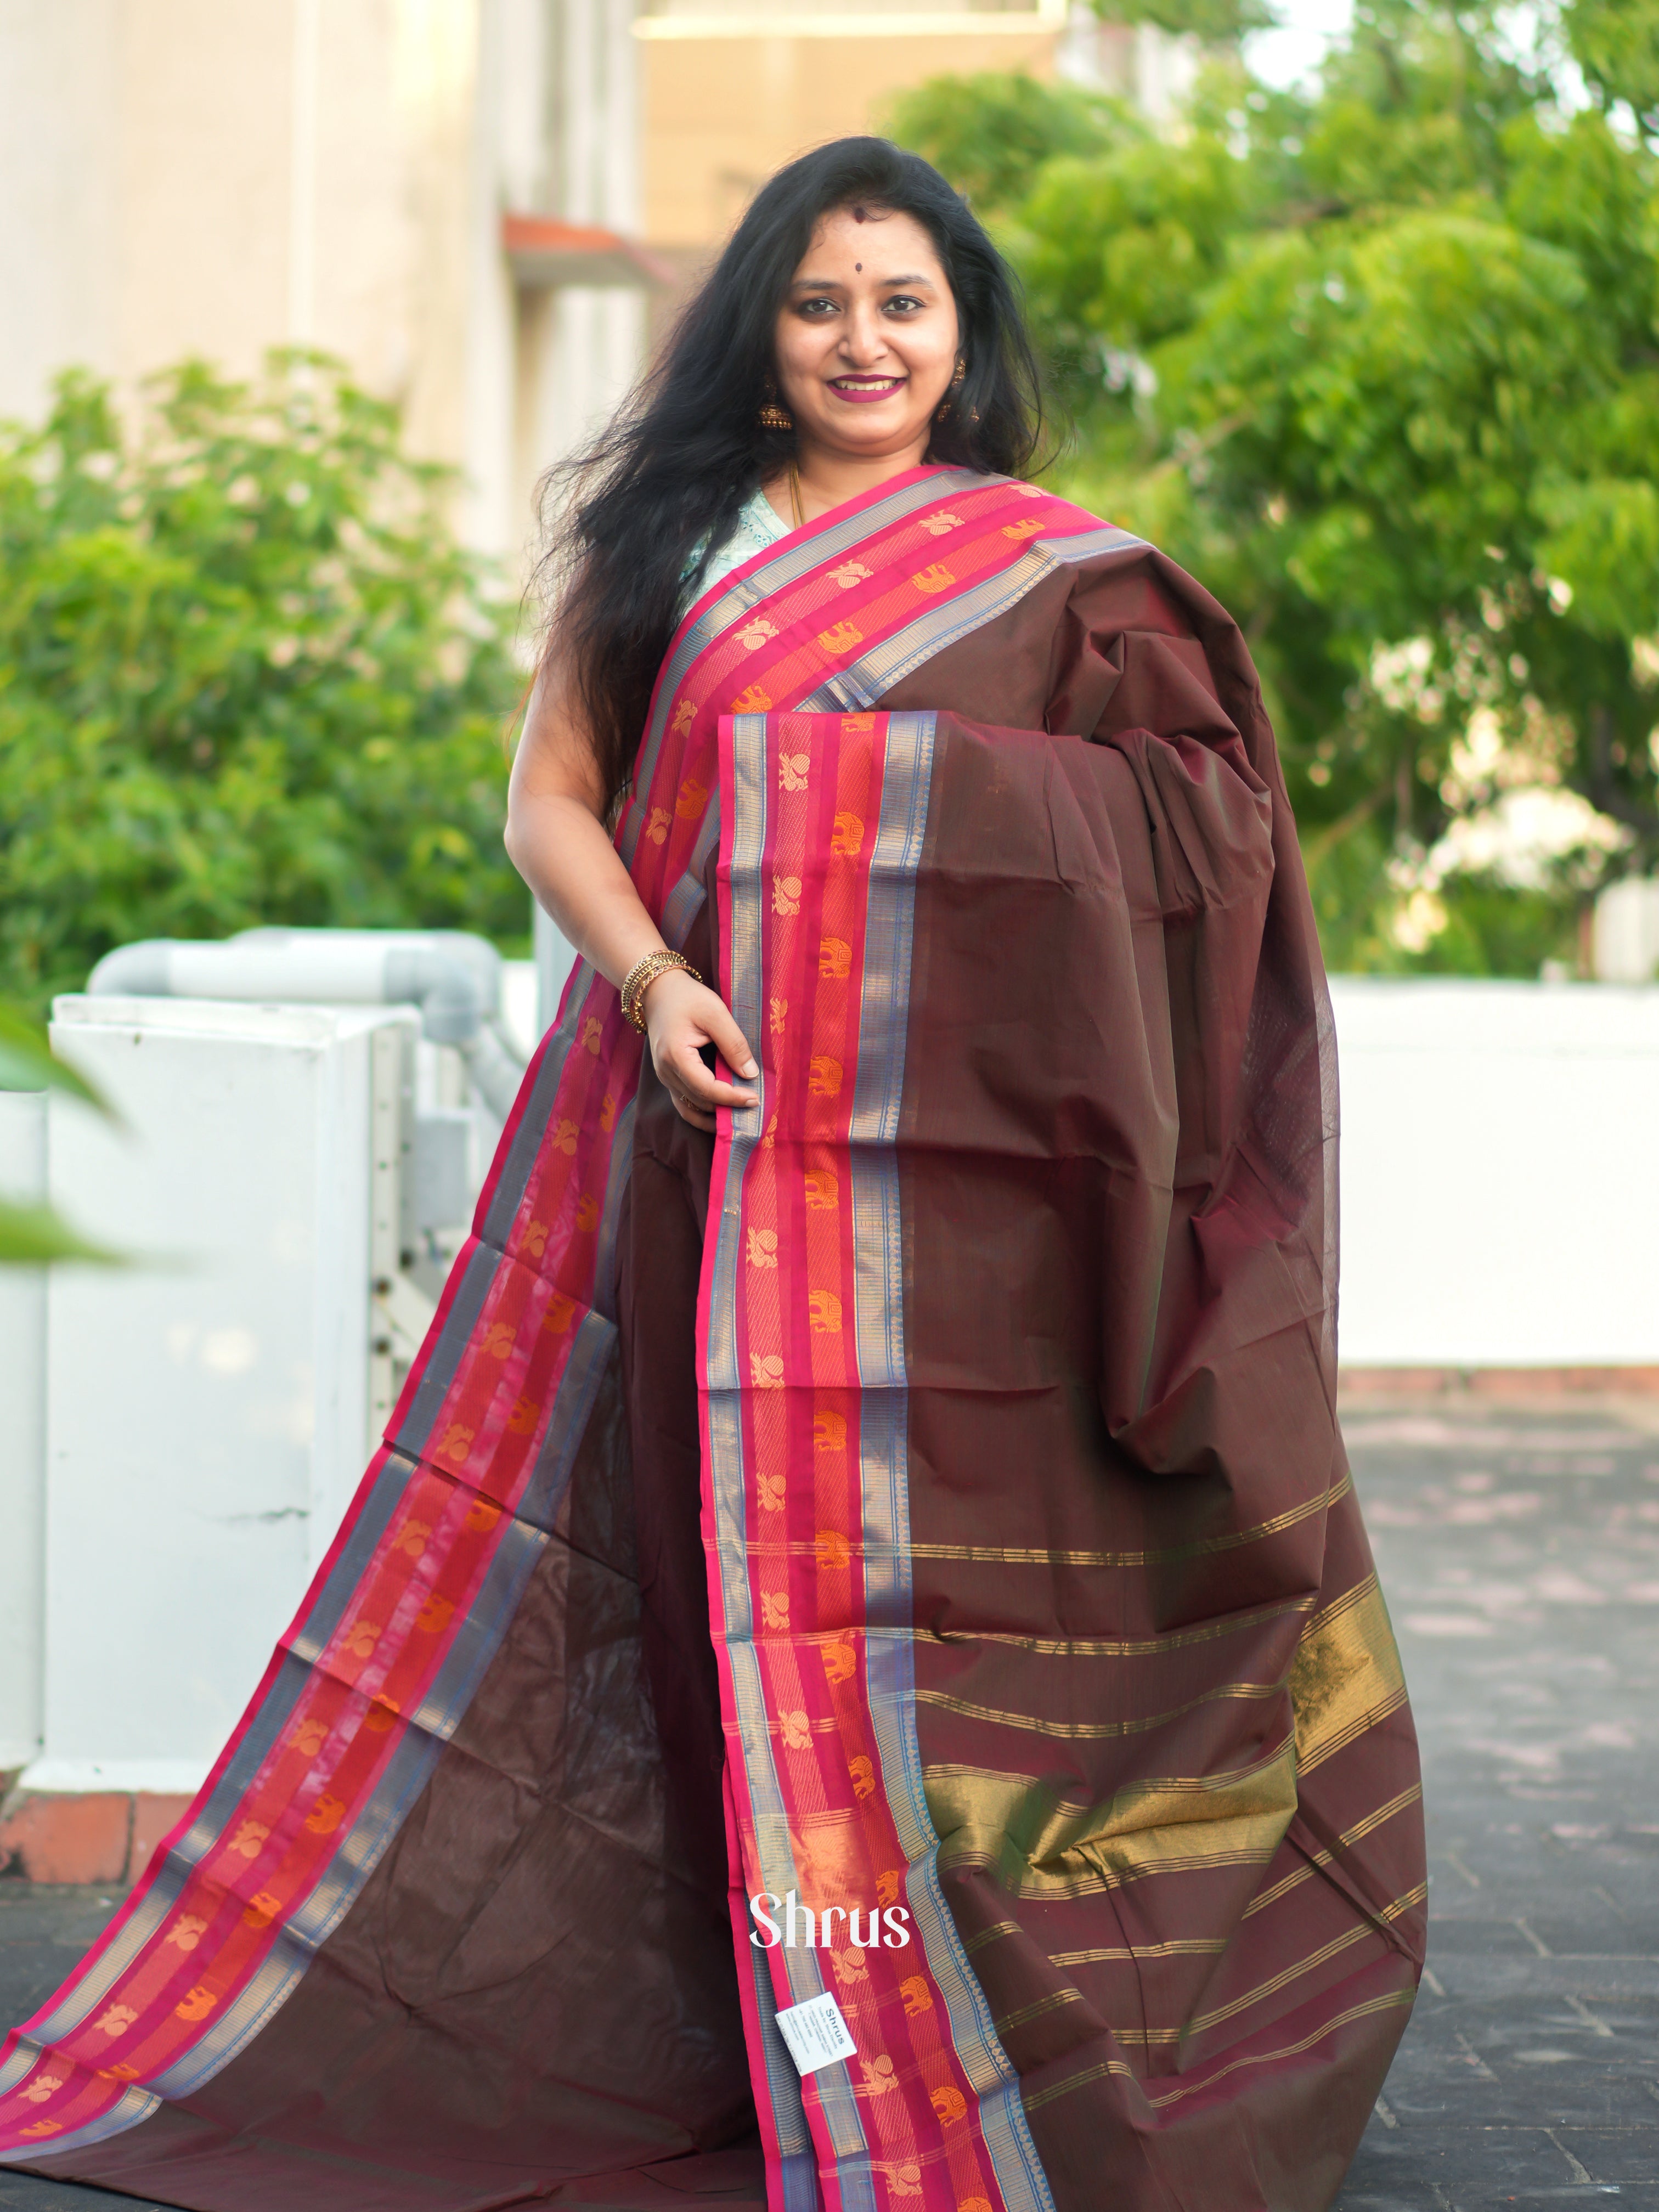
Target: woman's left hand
[(682, 1015)]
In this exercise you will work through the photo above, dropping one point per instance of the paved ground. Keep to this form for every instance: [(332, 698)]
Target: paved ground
[(1520, 1551)]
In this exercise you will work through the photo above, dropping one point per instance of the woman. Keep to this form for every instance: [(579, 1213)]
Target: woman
[(869, 1521)]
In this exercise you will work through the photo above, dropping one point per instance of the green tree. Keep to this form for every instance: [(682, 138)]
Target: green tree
[(245, 675), (1379, 365), (992, 132)]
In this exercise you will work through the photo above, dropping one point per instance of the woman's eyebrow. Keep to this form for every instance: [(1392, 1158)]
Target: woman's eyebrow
[(836, 284)]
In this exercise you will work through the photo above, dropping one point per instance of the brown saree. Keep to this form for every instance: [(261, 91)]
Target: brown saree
[(925, 1497)]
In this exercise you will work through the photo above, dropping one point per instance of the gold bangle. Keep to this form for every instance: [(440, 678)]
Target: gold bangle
[(642, 975)]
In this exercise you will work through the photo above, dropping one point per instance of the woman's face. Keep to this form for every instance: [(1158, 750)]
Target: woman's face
[(867, 339)]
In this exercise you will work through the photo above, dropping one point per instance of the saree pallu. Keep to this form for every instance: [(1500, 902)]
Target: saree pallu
[(924, 1501)]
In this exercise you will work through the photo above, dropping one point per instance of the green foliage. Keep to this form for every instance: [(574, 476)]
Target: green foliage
[(1217, 23), (990, 134), (246, 676), (1616, 45), (1380, 363)]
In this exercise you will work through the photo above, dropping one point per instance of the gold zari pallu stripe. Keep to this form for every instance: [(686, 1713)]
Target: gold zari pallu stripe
[(1077, 2081), (1317, 1859), (1171, 1824), (1116, 1647), (1146, 2037), (1346, 1676), (1003, 1555), (1258, 2058), (1394, 2000), (1187, 1946), (1092, 1731), (981, 1936), (1313, 1959), (1007, 2020)]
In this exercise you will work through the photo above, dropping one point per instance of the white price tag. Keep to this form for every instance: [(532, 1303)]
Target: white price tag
[(817, 2033)]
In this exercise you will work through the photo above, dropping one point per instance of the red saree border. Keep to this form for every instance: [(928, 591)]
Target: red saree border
[(421, 1579), (802, 1374)]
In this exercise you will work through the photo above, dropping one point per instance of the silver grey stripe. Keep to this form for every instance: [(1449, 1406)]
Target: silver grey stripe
[(497, 1226), (135, 2105), (784, 568), (884, 1448), (590, 1354), (446, 1348), (376, 1826), (621, 1167), (352, 1560), (783, 2083), (729, 1474), (863, 682), (686, 901), (724, 1384), (277, 1708)]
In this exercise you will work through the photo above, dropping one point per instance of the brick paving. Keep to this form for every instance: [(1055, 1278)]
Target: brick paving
[(1519, 1547)]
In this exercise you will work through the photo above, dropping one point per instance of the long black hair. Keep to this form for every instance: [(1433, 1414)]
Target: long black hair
[(676, 464)]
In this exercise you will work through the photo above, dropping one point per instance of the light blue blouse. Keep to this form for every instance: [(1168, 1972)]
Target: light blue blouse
[(756, 527)]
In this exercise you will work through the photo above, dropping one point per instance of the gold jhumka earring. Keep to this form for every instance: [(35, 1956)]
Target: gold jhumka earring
[(942, 412), (772, 417)]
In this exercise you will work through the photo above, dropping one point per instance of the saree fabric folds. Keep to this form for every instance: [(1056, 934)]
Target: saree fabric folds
[(919, 1509)]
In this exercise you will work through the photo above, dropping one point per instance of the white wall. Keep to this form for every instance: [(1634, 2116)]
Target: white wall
[(22, 1439), (1500, 1173), (207, 1408)]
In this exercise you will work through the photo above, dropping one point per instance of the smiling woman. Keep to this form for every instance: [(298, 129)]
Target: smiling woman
[(870, 323), (874, 1461)]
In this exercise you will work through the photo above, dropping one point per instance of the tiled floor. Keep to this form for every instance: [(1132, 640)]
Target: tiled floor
[(1520, 1551), (1521, 1556)]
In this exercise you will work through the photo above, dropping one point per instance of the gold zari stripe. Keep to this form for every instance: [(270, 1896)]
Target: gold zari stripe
[(1354, 1835), (1346, 1942), (1189, 1947), (1089, 2074), (1036, 2011), (1389, 2003), (1138, 1647), (1003, 1555), (1271, 1987), (1260, 2058), (984, 1935), (1347, 1675), (1045, 1845), (1092, 1731)]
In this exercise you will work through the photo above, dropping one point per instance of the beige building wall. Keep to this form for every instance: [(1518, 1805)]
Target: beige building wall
[(729, 90), (725, 101), (220, 177)]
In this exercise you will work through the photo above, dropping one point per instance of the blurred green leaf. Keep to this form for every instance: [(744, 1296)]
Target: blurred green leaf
[(27, 1062), (31, 1235)]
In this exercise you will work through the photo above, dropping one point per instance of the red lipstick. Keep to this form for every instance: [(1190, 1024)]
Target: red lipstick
[(861, 395)]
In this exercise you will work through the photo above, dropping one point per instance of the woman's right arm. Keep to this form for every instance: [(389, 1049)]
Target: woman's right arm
[(556, 840)]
